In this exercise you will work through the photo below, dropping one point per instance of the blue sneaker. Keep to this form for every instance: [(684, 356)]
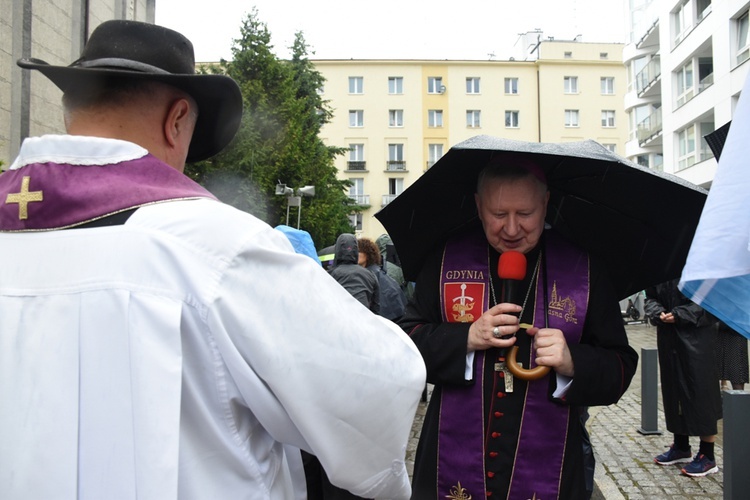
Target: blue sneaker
[(700, 466), (674, 456)]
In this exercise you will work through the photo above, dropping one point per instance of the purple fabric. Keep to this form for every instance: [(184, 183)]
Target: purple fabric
[(461, 434), (544, 424), (73, 194)]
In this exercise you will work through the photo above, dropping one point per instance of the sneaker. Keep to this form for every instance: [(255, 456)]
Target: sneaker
[(674, 456), (700, 466)]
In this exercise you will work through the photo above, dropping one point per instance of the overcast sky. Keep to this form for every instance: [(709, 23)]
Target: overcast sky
[(394, 29)]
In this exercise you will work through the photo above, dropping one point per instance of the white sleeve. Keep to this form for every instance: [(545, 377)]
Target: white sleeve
[(325, 374)]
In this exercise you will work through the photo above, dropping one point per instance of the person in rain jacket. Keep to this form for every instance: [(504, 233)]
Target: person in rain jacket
[(389, 263), (392, 297), (358, 281), (686, 339)]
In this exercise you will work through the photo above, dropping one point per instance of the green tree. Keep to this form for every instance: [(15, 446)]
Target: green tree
[(278, 139)]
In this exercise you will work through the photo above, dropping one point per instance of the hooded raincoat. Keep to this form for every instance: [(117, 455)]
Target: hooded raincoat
[(358, 281)]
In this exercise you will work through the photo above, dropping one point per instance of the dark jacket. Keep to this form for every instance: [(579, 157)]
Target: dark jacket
[(392, 297), (358, 281), (689, 375)]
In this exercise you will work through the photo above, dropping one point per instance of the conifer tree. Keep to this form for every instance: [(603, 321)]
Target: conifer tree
[(278, 139)]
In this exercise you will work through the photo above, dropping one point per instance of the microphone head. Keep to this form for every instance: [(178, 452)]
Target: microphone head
[(511, 266)]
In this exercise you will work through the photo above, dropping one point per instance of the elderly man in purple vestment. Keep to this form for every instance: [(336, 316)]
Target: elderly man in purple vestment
[(158, 344), (487, 432)]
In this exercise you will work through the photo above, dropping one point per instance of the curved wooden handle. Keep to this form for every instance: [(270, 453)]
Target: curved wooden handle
[(532, 374)]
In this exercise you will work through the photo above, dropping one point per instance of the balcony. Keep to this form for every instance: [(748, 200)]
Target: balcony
[(360, 199), (650, 128), (395, 166), (356, 166), (707, 81), (648, 76), (387, 198)]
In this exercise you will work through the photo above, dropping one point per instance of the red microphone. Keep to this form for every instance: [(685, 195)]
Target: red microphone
[(511, 269)]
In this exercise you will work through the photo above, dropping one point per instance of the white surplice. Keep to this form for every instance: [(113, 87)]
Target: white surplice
[(183, 355)]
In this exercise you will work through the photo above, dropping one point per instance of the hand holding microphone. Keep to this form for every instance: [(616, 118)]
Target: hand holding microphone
[(511, 269)]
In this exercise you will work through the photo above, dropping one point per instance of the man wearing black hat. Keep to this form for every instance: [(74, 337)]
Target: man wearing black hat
[(156, 343)]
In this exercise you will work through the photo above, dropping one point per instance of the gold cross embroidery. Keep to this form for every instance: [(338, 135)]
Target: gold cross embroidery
[(24, 198)]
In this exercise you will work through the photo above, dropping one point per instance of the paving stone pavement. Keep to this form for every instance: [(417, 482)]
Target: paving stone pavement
[(624, 457)]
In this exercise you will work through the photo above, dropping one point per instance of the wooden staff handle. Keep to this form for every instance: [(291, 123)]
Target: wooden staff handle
[(532, 374)]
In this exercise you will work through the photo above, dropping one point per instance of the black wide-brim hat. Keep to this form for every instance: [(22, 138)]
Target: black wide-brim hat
[(137, 50)]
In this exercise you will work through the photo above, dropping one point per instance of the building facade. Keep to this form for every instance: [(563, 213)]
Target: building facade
[(54, 31), (686, 63), (398, 117)]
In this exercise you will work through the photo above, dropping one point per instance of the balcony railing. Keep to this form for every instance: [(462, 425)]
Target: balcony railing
[(360, 199), (387, 198), (395, 166), (356, 165), (707, 81), (648, 75), (650, 127)]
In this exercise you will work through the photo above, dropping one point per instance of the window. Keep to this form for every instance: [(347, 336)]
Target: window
[(685, 88), (608, 118), (511, 119), (395, 85), (472, 85), (435, 118), (603, 55), (435, 85), (322, 89), (357, 191), (356, 221), (356, 85), (682, 20), (611, 147), (686, 145), (473, 118), (395, 188), (571, 84), (571, 117), (511, 85), (396, 158), (396, 118), (356, 157), (356, 152), (743, 40), (608, 85), (356, 118), (568, 55), (434, 153)]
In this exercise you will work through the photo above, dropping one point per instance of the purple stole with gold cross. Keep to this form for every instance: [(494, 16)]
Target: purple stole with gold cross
[(464, 292), (49, 195)]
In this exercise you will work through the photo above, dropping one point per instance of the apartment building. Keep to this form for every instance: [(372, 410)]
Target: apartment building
[(398, 117), (54, 31), (686, 64)]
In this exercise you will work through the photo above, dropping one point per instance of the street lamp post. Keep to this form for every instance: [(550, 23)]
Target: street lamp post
[(294, 201)]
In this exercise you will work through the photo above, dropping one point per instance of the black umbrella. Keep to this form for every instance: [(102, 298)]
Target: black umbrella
[(717, 138), (639, 221)]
